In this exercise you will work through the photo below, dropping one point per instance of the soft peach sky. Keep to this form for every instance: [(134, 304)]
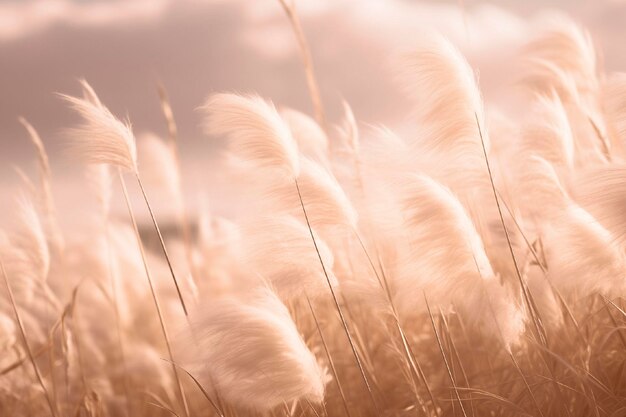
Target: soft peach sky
[(196, 47)]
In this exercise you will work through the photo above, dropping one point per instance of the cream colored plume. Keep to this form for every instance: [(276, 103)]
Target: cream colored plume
[(449, 109), (547, 133), (45, 178), (602, 192), (252, 354), (582, 255), (256, 132), (349, 130), (101, 138), (30, 242), (326, 203), (540, 193), (446, 259), (563, 58), (613, 99), (279, 250), (311, 139)]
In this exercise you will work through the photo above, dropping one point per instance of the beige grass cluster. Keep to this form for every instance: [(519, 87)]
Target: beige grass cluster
[(474, 268)]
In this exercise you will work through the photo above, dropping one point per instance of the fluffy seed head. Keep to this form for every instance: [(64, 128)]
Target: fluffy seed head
[(256, 132), (281, 251), (252, 354), (449, 110), (101, 138)]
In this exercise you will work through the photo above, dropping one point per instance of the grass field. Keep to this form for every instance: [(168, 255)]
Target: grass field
[(474, 267)]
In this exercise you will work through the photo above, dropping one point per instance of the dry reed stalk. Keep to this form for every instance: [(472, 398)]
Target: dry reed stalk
[(116, 311), (336, 302), (312, 408), (162, 407), (410, 358), (168, 114), (20, 325), (45, 179), (162, 243), (604, 140), (155, 298), (456, 355), (199, 385), (331, 362), (564, 305), (289, 6), (526, 384), (359, 340), (104, 139), (414, 365), (544, 270), (525, 291), (443, 355), (172, 129), (79, 348)]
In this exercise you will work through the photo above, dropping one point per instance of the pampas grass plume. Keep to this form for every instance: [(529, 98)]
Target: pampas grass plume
[(101, 138), (252, 354), (279, 250), (256, 132)]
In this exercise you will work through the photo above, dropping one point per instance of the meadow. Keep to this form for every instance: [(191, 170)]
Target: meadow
[(474, 267)]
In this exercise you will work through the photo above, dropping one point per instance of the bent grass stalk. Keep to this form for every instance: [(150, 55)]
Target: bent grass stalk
[(525, 291), (199, 385), (443, 355), (116, 311), (414, 364), (455, 354), (564, 305), (604, 141), (336, 302), (289, 6), (162, 243), (45, 178), (155, 298), (172, 129), (20, 325), (330, 359)]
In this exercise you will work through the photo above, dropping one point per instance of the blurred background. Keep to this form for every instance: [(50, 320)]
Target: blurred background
[(195, 47)]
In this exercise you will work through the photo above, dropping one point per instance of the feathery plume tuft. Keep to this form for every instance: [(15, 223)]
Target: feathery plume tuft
[(101, 138), (446, 258), (449, 107), (326, 203), (349, 129), (603, 193), (251, 353), (613, 99), (540, 185), (279, 250), (562, 58), (30, 244), (548, 133), (582, 255), (256, 132), (45, 178), (311, 139)]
